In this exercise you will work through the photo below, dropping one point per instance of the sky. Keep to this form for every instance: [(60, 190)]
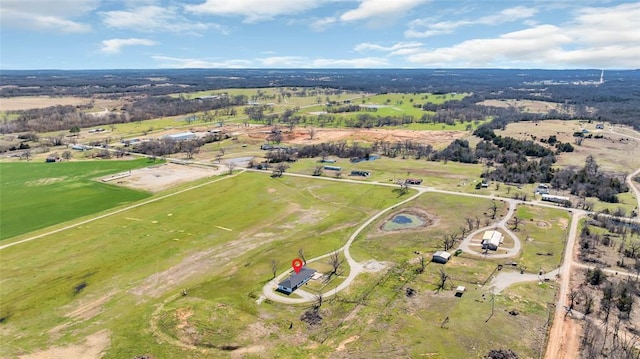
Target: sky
[(152, 34)]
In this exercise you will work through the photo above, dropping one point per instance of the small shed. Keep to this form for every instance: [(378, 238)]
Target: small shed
[(491, 240), (296, 280), (441, 257)]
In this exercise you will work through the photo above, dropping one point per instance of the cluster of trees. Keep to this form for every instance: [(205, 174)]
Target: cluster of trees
[(604, 334), (168, 146), (57, 118), (590, 181)]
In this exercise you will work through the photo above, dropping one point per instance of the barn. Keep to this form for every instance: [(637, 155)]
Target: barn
[(491, 240), (182, 136)]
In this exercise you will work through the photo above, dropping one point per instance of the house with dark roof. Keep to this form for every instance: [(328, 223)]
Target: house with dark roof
[(296, 280)]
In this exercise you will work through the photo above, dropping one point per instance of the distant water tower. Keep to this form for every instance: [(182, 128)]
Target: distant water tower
[(602, 77)]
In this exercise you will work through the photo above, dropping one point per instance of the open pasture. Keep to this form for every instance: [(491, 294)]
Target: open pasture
[(37, 195), (8, 104), (613, 152), (217, 241)]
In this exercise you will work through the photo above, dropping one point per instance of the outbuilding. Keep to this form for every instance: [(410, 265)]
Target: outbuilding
[(296, 280), (491, 240), (441, 257), (182, 136)]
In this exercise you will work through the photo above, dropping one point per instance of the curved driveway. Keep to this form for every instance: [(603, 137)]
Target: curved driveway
[(355, 267)]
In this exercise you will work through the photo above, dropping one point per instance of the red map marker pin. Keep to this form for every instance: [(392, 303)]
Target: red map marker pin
[(297, 264)]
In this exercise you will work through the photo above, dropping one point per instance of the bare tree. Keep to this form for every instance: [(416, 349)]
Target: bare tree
[(335, 260), (442, 280), (274, 268), (279, 169), (423, 264), (448, 241), (494, 209), (317, 171), (231, 165), (516, 221), (312, 132), (66, 155), (26, 155), (470, 223), (301, 254)]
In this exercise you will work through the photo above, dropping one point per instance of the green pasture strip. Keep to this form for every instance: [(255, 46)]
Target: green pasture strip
[(542, 231), (264, 218), (36, 194), (453, 176)]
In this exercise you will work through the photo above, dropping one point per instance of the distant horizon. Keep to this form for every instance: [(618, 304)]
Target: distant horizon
[(324, 69), (319, 34)]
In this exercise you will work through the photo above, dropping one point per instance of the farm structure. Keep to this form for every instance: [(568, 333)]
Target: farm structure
[(491, 240), (361, 173), (296, 280), (182, 136), (332, 168), (441, 257), (414, 181), (542, 189), (557, 199)]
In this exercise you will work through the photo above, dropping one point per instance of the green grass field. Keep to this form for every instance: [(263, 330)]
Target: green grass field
[(242, 224), (37, 195)]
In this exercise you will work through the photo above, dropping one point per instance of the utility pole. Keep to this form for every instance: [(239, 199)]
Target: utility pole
[(493, 305)]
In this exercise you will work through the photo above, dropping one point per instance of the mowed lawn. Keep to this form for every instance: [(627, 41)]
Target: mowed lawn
[(35, 195)]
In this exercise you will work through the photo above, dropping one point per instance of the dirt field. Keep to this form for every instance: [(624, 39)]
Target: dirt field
[(301, 136), (161, 177), (92, 348), (30, 102), (529, 106)]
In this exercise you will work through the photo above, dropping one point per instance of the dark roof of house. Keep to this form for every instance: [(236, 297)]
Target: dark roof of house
[(297, 278)]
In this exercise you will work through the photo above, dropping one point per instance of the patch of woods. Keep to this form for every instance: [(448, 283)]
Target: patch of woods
[(61, 118), (619, 245), (168, 146), (606, 298)]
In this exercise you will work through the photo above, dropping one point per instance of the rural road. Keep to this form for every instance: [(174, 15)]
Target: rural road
[(355, 267)]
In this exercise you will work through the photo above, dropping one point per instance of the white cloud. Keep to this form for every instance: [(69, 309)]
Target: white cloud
[(380, 8), (154, 19), (603, 37), (51, 15), (186, 63), (253, 10), (113, 46), (364, 62), (428, 28), (321, 24), (271, 62), (400, 46)]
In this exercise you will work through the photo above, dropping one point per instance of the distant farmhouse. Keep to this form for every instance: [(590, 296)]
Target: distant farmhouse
[(491, 240), (182, 136), (414, 181), (441, 257), (542, 189), (296, 280)]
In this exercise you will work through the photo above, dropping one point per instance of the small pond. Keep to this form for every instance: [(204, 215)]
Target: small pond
[(403, 221)]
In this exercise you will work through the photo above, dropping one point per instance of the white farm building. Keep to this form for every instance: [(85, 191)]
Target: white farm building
[(182, 136), (491, 240)]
